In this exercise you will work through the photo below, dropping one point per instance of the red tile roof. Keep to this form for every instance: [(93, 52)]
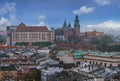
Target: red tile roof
[(91, 33), (24, 28)]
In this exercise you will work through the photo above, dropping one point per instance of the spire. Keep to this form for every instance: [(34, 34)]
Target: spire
[(76, 22), (69, 25), (64, 25), (22, 24)]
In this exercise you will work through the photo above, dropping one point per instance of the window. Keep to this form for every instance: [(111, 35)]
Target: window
[(21, 35), (118, 65), (29, 35), (105, 64), (110, 65), (39, 35), (17, 35), (32, 35), (78, 63), (43, 36), (35, 35), (100, 63), (25, 35), (90, 62), (96, 63)]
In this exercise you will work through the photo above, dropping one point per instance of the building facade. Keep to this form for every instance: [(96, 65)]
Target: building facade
[(69, 31), (23, 33), (103, 60)]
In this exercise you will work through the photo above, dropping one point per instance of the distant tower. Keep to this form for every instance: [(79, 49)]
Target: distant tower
[(64, 25), (76, 22), (8, 35), (77, 26), (69, 25)]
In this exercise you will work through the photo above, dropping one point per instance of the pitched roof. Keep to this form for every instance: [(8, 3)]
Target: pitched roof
[(24, 28)]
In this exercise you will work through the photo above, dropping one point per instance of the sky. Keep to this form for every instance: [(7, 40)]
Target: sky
[(98, 15)]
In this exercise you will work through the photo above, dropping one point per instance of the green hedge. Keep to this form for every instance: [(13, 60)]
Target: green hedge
[(114, 48), (22, 43), (42, 43), (34, 43)]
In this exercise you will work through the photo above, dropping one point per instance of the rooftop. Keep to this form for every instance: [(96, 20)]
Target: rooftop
[(62, 53), (51, 71), (23, 28), (77, 54), (8, 68), (104, 53)]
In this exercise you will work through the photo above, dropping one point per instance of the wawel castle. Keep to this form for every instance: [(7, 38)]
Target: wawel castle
[(32, 34), (23, 33)]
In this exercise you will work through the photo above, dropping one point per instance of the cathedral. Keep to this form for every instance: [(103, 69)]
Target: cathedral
[(70, 31), (67, 30)]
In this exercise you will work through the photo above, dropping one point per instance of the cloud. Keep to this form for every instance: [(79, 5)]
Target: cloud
[(102, 2), (8, 8), (42, 23), (83, 10), (109, 27), (42, 17), (3, 21)]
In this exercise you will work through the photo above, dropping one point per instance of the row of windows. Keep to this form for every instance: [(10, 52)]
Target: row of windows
[(31, 36), (19, 35), (99, 63), (28, 39)]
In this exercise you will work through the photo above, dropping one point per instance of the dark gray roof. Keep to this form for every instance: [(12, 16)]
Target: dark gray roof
[(8, 68), (59, 31), (3, 55)]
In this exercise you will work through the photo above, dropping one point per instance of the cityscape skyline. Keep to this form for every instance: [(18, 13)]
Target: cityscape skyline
[(59, 40), (93, 14)]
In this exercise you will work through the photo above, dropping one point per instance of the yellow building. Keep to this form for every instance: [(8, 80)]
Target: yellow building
[(8, 73)]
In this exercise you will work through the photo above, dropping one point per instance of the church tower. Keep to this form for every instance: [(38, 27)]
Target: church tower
[(64, 25), (77, 26), (69, 25)]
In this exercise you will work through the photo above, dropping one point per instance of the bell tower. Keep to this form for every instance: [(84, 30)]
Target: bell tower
[(64, 25), (77, 26)]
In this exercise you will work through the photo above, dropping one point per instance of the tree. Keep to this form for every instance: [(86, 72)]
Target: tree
[(101, 42), (34, 75), (73, 39), (115, 47)]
